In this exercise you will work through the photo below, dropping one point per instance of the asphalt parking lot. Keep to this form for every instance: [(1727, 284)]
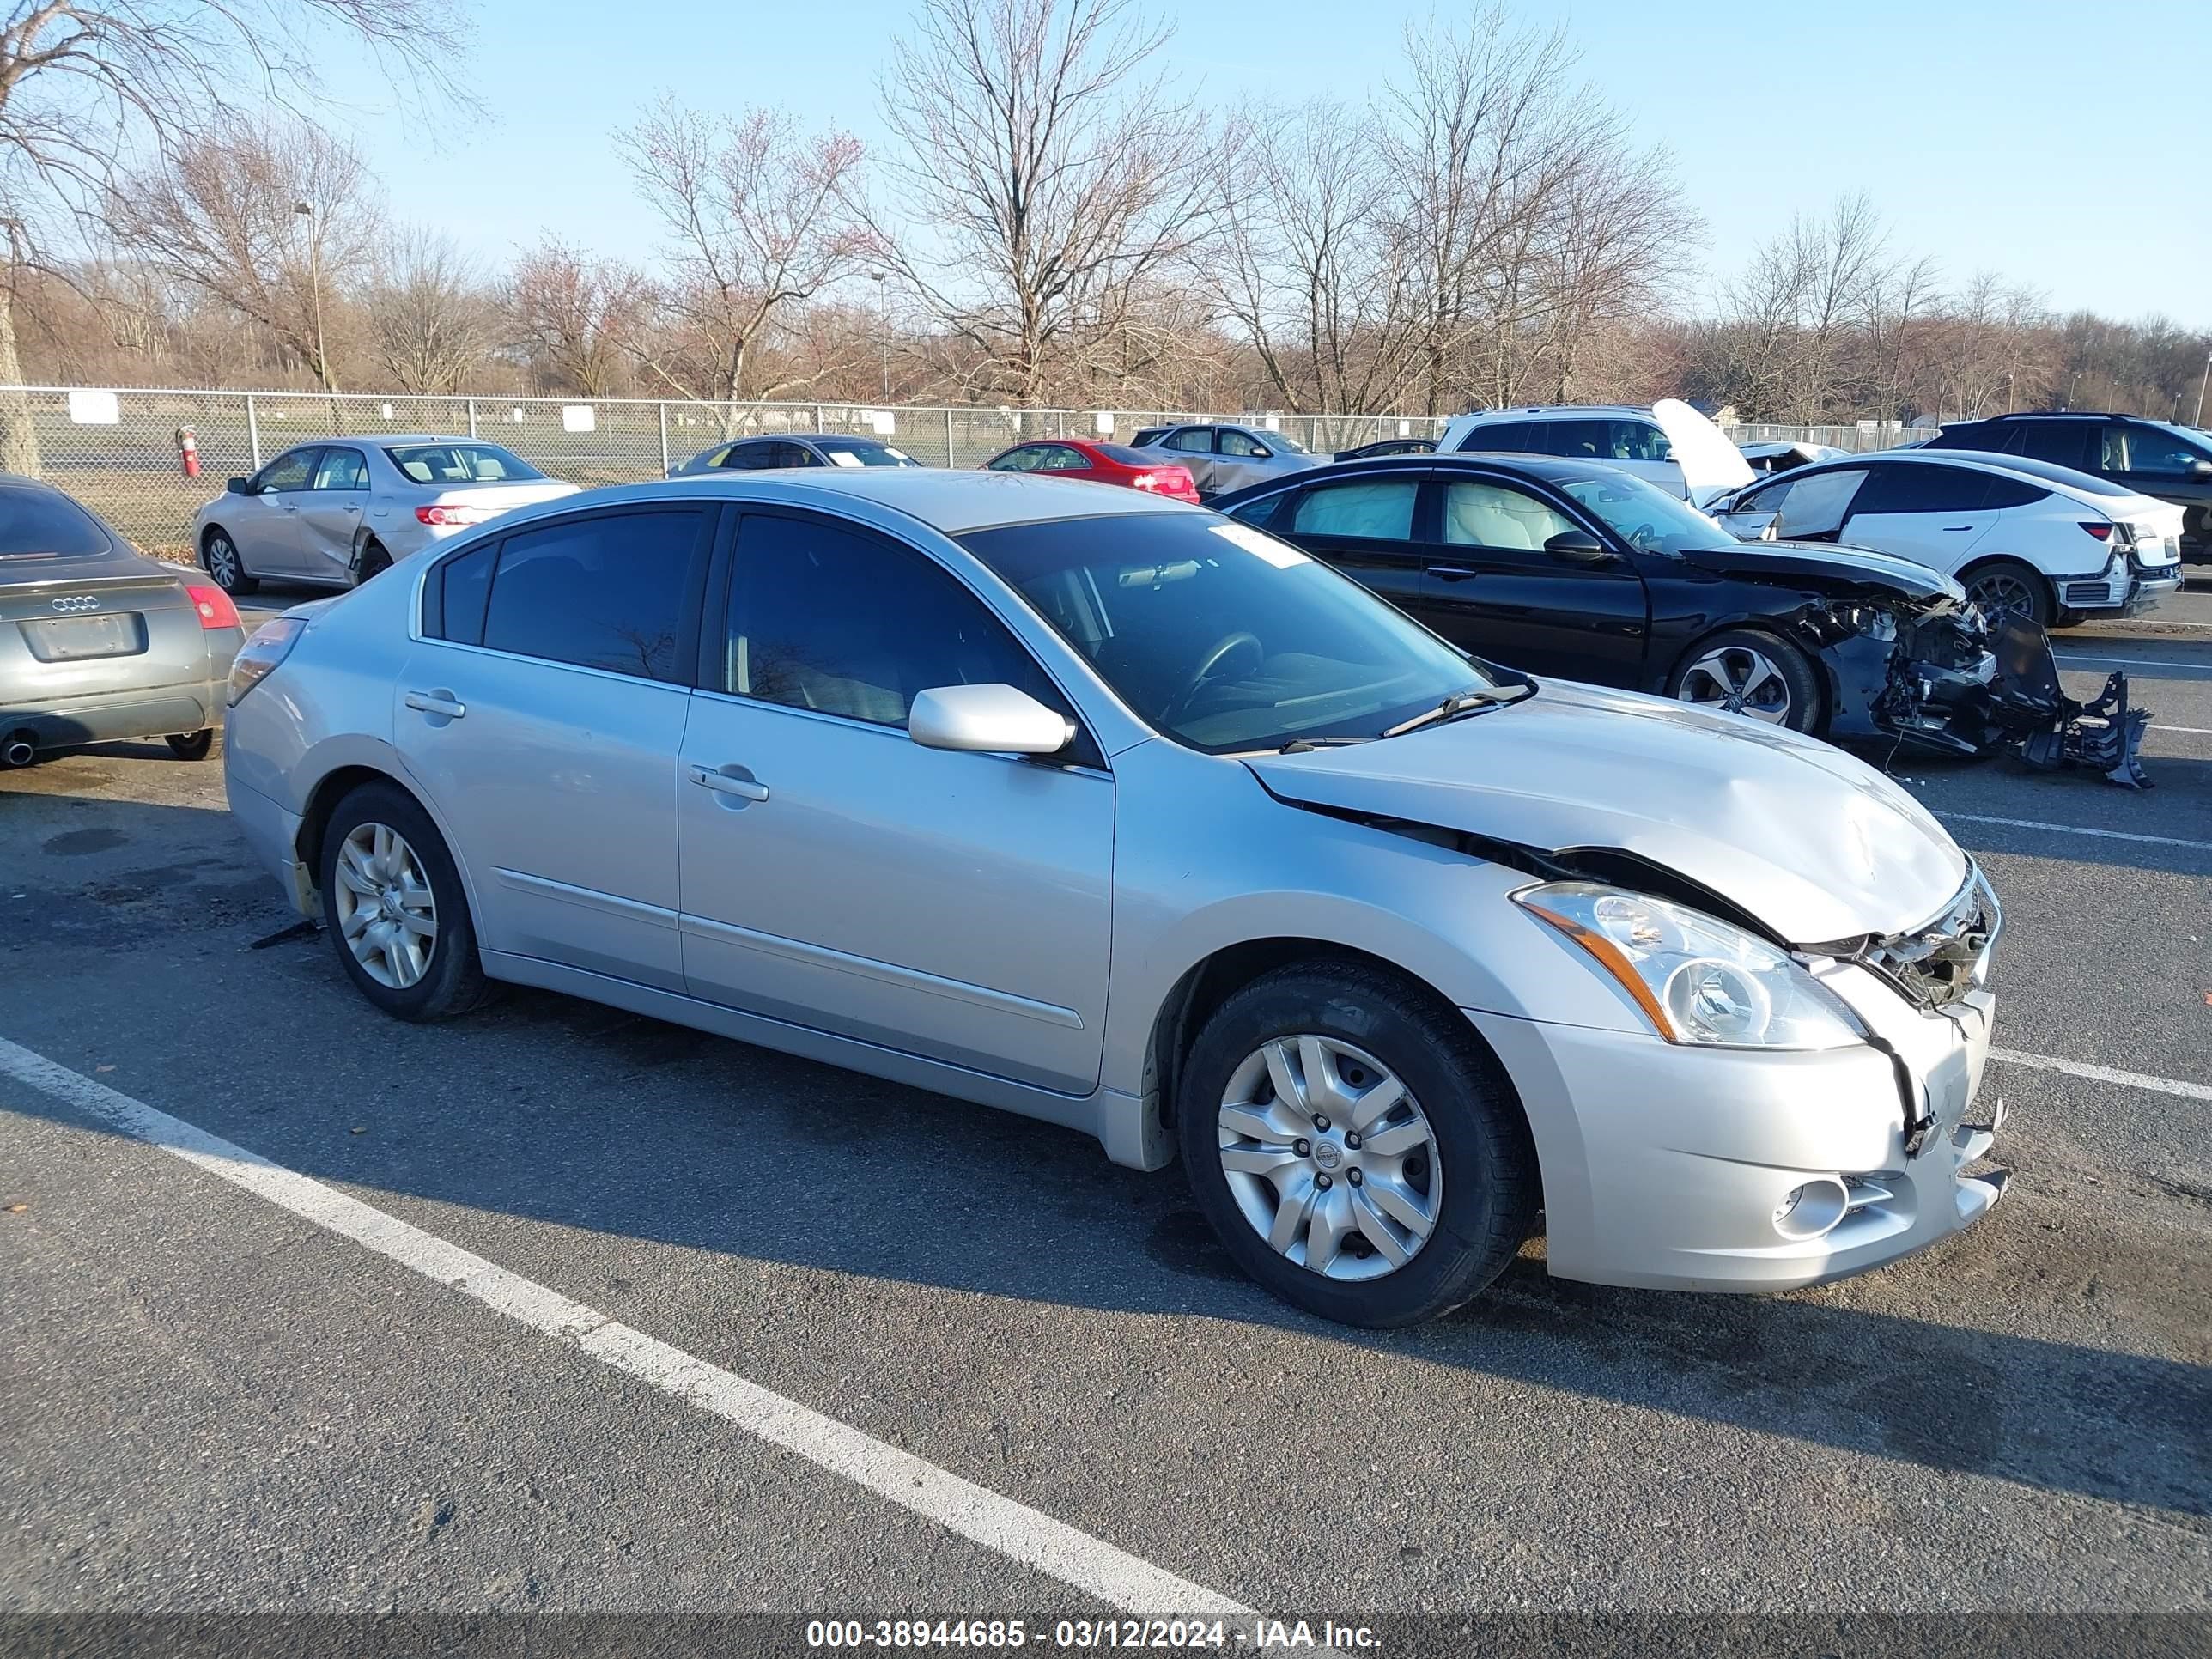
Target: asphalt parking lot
[(219, 1406)]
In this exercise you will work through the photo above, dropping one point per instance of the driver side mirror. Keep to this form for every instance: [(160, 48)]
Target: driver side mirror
[(235, 486), (1577, 547), (2200, 469), (987, 720)]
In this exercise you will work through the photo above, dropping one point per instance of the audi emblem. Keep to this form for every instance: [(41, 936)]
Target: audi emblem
[(77, 602)]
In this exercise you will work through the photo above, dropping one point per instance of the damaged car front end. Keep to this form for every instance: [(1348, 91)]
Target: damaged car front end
[(1909, 658)]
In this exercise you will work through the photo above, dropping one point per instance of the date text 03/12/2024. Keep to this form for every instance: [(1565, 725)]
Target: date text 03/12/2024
[(1090, 1633)]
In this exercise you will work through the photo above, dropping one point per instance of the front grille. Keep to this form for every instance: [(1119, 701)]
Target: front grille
[(1942, 960)]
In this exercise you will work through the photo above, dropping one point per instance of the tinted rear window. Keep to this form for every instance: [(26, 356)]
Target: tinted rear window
[(43, 523), (1126, 456), (606, 591), (1502, 437)]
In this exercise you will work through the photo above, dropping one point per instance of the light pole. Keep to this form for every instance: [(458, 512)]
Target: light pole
[(2199, 389), (305, 209), (883, 324)]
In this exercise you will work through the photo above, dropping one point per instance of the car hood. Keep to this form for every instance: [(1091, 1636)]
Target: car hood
[(1711, 465), (1841, 569), (1818, 846)]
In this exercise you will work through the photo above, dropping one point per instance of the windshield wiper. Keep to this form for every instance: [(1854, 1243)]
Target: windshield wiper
[(1464, 703), (1301, 745)]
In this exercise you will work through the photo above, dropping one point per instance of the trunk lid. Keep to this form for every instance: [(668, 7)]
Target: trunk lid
[(1816, 844)]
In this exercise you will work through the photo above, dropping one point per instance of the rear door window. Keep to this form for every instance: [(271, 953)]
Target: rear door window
[(341, 469), (606, 592), (1192, 440), (2064, 443), (1579, 441), (1908, 487), (1380, 509)]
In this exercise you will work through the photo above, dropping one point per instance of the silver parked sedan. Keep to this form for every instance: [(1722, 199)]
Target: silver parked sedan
[(1222, 458), (793, 449), (1109, 811), (97, 642), (335, 513)]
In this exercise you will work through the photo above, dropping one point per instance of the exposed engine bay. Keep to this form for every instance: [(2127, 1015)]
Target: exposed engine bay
[(1945, 678)]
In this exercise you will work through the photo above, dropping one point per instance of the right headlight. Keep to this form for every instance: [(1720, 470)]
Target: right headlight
[(257, 658), (1697, 980)]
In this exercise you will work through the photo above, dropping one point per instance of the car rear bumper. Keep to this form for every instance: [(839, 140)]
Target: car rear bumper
[(1670, 1166), (273, 833), (117, 716)]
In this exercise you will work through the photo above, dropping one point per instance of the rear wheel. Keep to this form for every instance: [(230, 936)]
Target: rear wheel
[(396, 915), (370, 560), (220, 555), (1743, 671), (192, 745), (1355, 1146), (2005, 586)]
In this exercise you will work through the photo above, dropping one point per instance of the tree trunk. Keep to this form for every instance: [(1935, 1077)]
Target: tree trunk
[(19, 439)]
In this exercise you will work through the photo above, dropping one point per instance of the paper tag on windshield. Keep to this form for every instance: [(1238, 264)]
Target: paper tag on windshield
[(1281, 555), (844, 457)]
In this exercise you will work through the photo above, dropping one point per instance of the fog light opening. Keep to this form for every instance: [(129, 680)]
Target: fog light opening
[(1811, 1209)]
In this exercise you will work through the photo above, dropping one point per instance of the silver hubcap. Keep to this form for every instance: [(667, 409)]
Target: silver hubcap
[(223, 562), (1740, 680), (386, 913), (2002, 592), (1330, 1157)]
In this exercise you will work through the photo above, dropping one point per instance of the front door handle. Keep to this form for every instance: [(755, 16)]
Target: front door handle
[(728, 781), (1452, 573), (1958, 526), (441, 702)]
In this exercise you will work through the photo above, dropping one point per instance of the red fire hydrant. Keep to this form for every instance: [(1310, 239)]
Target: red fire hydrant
[(188, 446)]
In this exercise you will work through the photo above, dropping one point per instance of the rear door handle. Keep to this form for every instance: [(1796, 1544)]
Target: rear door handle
[(439, 701), (1452, 573), (725, 782), (1958, 526)]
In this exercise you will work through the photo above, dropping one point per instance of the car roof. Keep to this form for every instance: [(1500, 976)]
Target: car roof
[(2047, 474), (1548, 409), (952, 501), (803, 437)]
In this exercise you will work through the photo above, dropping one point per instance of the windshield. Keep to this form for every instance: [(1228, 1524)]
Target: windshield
[(1645, 516), (43, 523), (1221, 636), (443, 464), (1287, 444), (851, 452)]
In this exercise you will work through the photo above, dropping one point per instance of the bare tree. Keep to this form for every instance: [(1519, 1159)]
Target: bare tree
[(1045, 184), (571, 313), (84, 83), (223, 217), (759, 226), (430, 318)]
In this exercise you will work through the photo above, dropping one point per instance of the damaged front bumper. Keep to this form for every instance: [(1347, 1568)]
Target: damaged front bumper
[(1954, 683)]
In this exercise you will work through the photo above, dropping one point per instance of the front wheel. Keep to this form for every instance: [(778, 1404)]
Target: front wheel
[(395, 908), (1357, 1149), (1743, 671), (220, 555)]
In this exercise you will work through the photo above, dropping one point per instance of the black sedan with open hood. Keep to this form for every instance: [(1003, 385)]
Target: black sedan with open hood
[(1576, 569)]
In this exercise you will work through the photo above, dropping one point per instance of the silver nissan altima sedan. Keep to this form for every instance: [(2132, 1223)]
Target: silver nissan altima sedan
[(1116, 813)]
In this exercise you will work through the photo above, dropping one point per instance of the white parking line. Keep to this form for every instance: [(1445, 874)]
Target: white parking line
[(2164, 1085), (998, 1523), (2074, 829), (2134, 662)]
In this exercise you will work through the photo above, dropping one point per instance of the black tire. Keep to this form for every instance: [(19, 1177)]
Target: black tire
[(2009, 578), (1740, 645), (225, 565), (371, 561), (2069, 619), (192, 745), (453, 980), (1488, 1163)]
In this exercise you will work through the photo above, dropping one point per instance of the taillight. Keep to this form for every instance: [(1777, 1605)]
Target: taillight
[(2103, 533), (445, 516), (1144, 481), (214, 605), (270, 644)]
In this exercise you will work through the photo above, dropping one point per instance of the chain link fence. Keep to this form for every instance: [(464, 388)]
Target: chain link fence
[(120, 451)]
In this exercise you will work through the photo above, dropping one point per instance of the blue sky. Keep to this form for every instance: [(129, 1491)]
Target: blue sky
[(2060, 143)]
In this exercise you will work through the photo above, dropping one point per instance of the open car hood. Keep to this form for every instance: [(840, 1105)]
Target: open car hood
[(1711, 465), (1818, 846)]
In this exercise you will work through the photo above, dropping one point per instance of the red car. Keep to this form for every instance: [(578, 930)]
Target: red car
[(1113, 464)]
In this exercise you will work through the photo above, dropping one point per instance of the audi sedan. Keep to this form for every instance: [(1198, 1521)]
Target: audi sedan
[(1120, 814), (97, 642)]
